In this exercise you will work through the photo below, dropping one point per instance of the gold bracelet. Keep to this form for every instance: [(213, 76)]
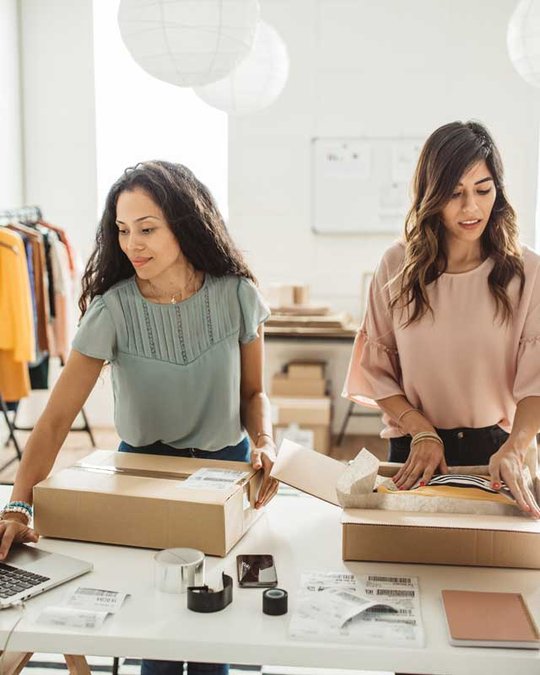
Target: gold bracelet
[(406, 412), (425, 436)]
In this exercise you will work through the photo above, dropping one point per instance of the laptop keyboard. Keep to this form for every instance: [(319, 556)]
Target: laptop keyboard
[(14, 580)]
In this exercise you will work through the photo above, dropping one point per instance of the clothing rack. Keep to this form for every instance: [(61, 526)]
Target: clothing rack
[(28, 215), (85, 428), (11, 435)]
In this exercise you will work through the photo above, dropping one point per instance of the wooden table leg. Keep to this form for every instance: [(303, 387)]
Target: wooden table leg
[(77, 664), (14, 662)]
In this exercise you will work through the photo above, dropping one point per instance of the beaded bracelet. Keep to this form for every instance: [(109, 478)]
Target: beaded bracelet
[(18, 507)]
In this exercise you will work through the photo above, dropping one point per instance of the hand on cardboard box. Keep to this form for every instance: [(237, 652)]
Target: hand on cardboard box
[(423, 461), (263, 457), (12, 529), (507, 465)]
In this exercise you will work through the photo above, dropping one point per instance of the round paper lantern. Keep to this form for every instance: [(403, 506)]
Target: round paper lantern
[(523, 40), (257, 81), (188, 42)]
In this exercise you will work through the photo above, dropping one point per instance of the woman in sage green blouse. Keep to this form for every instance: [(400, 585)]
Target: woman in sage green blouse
[(169, 302)]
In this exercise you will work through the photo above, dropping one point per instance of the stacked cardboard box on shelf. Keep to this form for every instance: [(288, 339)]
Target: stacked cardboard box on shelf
[(300, 404)]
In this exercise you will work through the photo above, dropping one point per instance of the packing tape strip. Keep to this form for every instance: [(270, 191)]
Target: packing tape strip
[(275, 601), (204, 599)]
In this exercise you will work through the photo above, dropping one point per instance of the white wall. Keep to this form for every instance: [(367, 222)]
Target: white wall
[(140, 118), (370, 68), (11, 168), (59, 113)]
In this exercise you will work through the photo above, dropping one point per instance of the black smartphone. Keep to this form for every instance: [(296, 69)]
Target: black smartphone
[(256, 571)]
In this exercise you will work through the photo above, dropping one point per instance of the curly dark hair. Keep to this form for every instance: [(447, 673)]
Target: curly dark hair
[(190, 212), (447, 154)]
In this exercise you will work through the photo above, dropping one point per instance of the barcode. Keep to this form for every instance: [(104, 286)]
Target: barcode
[(394, 593), (394, 580), (95, 591), (216, 479)]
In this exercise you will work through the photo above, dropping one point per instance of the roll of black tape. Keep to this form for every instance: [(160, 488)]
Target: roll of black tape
[(275, 601), (204, 599)]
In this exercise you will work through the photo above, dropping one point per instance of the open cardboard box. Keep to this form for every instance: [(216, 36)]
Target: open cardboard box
[(139, 500), (410, 537)]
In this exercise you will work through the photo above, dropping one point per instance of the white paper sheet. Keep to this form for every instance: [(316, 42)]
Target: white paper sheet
[(368, 609), (213, 479)]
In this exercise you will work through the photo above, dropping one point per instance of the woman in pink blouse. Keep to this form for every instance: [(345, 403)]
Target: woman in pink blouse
[(449, 348)]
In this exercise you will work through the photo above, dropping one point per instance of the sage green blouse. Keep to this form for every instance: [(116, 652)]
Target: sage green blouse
[(175, 367)]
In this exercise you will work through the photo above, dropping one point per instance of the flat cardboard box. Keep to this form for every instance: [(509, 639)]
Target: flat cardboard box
[(406, 537), (301, 411), (138, 500), (321, 435), (306, 369), (283, 385)]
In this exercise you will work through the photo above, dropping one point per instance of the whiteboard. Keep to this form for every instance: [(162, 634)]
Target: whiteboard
[(361, 185)]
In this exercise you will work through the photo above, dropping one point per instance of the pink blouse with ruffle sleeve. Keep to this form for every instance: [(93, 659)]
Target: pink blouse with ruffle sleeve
[(460, 365)]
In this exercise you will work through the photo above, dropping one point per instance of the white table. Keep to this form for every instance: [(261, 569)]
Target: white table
[(303, 534)]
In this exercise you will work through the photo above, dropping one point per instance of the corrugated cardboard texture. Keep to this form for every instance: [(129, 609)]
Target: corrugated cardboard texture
[(448, 545), (395, 536), (301, 410), (283, 385), (306, 369), (92, 502)]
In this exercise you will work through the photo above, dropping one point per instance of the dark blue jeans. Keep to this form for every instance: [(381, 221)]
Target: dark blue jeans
[(237, 453), (462, 447)]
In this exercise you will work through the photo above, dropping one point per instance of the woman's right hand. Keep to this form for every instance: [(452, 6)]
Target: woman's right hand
[(14, 530), (423, 461)]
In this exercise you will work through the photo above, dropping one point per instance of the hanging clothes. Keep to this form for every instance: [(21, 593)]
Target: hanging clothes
[(63, 296), (41, 284), (17, 342)]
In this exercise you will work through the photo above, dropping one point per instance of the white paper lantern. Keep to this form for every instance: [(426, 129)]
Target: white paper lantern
[(523, 40), (188, 42), (257, 81)]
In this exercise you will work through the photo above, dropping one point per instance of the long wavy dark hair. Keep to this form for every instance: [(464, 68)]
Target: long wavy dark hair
[(447, 154), (190, 212)]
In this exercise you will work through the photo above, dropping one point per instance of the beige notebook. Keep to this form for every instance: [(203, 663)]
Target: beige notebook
[(478, 619)]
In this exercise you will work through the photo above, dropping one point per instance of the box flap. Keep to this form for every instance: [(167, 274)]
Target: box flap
[(123, 473), (169, 466), (308, 471), (454, 521)]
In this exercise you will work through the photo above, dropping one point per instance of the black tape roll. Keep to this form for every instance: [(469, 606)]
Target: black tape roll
[(275, 601), (204, 599)]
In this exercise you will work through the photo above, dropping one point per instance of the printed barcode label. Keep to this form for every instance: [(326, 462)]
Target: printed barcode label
[(392, 580), (394, 593), (96, 592)]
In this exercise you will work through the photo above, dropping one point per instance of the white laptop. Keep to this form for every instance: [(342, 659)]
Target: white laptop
[(28, 571)]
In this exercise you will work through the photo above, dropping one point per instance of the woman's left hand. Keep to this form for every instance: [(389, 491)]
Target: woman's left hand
[(263, 458), (507, 465)]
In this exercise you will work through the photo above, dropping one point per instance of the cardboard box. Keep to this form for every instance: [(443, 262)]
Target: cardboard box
[(301, 411), (283, 385), (321, 435), (301, 294), (407, 537), (138, 500), (306, 369)]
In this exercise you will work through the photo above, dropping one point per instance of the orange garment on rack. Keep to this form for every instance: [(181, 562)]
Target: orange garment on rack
[(17, 345)]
